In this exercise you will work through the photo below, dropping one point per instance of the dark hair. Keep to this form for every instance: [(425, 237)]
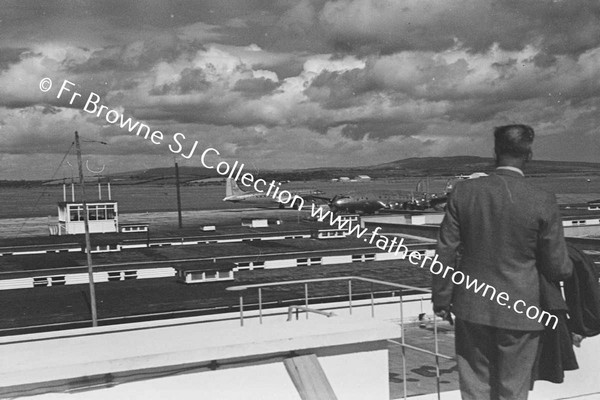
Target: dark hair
[(513, 140)]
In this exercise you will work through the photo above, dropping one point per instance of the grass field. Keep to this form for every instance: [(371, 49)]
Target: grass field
[(41, 201)]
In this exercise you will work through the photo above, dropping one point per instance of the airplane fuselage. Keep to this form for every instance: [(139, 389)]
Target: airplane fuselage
[(252, 198), (369, 203)]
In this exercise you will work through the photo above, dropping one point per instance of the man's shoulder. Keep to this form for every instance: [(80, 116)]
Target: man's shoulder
[(469, 186), (534, 191)]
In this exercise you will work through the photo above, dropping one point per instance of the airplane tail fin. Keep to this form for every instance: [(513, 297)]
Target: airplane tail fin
[(232, 188)]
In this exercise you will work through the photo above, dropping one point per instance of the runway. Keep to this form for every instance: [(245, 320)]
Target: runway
[(159, 220)]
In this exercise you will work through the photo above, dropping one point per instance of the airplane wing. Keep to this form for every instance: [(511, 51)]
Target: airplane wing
[(327, 199), (438, 203), (310, 195)]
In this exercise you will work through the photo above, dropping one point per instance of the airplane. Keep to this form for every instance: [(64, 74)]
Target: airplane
[(472, 176), (235, 194), (371, 202), (452, 181)]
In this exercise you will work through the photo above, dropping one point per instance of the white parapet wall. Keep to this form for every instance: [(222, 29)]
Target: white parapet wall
[(185, 360)]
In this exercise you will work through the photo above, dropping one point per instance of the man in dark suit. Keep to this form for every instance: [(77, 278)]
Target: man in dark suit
[(496, 229)]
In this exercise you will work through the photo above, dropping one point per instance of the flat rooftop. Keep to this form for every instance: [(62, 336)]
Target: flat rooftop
[(15, 266), (61, 307)]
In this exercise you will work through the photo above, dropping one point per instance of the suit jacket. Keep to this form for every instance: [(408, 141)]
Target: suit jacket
[(503, 226)]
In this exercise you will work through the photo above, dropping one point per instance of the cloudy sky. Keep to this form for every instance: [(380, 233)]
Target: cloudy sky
[(296, 83)]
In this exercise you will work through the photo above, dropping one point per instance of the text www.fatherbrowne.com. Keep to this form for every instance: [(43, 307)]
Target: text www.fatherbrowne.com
[(435, 267)]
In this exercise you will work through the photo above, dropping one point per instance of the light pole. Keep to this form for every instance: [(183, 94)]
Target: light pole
[(86, 226), (178, 195)]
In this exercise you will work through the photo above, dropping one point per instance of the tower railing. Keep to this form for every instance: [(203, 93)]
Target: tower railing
[(401, 289)]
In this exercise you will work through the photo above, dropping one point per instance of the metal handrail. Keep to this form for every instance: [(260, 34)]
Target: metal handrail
[(334, 278), (305, 282)]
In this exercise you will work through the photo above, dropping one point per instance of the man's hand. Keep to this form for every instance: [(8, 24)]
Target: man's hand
[(444, 313)]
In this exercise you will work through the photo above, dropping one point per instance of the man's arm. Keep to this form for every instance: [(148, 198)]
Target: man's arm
[(553, 258), (447, 244)]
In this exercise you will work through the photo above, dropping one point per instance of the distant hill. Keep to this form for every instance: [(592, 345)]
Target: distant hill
[(416, 166), (163, 175), (423, 166), (468, 164)]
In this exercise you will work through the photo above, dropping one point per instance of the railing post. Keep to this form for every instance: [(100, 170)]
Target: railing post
[(372, 302), (403, 347), (241, 310), (437, 358), (350, 295), (260, 305), (306, 298)]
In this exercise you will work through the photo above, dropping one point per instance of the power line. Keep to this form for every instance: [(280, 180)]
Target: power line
[(35, 206)]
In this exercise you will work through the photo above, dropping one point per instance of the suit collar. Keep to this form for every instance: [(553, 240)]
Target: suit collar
[(510, 171)]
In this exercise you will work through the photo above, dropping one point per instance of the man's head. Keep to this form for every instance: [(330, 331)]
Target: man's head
[(513, 144)]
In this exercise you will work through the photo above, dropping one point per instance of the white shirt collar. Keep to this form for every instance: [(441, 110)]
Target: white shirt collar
[(514, 169)]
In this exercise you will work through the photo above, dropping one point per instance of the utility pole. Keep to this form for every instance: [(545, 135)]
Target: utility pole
[(86, 225), (178, 195)]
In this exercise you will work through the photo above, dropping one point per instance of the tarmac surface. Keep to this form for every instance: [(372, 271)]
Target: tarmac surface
[(420, 367), (160, 221)]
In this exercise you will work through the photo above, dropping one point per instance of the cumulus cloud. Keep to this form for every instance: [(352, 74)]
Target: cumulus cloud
[(303, 83), (435, 25)]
